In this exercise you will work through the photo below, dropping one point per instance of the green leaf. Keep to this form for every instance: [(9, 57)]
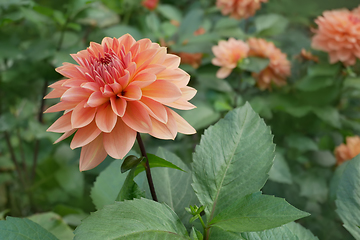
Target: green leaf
[(119, 30), (270, 24), (228, 27), (324, 69), (23, 229), (130, 162), (314, 83), (196, 234), (54, 224), (108, 184), (280, 171), (155, 161), (235, 153), (254, 64), (290, 231), (136, 219), (313, 186), (256, 212), (335, 180), (173, 187), (153, 22), (190, 23), (170, 12), (348, 199), (352, 83), (201, 117), (130, 189), (301, 143), (329, 115), (71, 180)]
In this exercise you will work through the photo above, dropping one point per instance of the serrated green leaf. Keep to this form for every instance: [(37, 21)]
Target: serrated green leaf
[(130, 189), (23, 229), (348, 198), (54, 224), (290, 231), (235, 153), (154, 162), (136, 219), (256, 212), (173, 187)]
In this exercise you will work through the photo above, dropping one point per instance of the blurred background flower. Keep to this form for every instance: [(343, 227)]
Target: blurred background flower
[(347, 151), (239, 9)]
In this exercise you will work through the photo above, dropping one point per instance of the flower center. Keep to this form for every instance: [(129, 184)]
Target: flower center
[(106, 59)]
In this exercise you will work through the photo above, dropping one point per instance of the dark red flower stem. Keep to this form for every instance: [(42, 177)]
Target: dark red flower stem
[(147, 167)]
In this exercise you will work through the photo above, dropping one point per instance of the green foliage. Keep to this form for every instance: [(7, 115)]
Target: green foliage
[(136, 219), (348, 201), (22, 229)]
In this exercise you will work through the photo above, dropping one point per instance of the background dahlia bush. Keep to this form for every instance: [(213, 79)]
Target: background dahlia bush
[(217, 109)]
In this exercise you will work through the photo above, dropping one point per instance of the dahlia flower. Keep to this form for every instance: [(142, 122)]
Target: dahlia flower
[(278, 68), (120, 87), (150, 4), (347, 151), (339, 35), (239, 9), (228, 54)]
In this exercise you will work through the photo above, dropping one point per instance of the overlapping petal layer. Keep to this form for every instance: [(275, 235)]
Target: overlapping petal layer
[(118, 88), (239, 9), (278, 68), (339, 35)]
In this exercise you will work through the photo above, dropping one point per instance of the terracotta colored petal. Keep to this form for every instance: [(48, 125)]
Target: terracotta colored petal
[(145, 57), (182, 125), (162, 91), (85, 135), (61, 106), (74, 82), (153, 69), (132, 93), (58, 84), (96, 99), (56, 93), (127, 41), (181, 104), (82, 116), (75, 94), (107, 41), (137, 118), (155, 109), (70, 71), (65, 135), (63, 124), (124, 80), (105, 118), (92, 154), (121, 139), (160, 56), (164, 131), (118, 105), (143, 79), (93, 86)]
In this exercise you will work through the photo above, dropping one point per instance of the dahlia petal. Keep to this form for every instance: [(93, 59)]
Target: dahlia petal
[(96, 99), (118, 105), (145, 57), (126, 41), (171, 61), (135, 49), (144, 43), (93, 86), (162, 91), (55, 93), (181, 104), (75, 94), (107, 41), (132, 93), (61, 106), (82, 115), (155, 109), (85, 135), (143, 79), (182, 125), (92, 154), (116, 87), (159, 56), (73, 82), (65, 135), (188, 92), (69, 70), (105, 118), (153, 68), (58, 84), (164, 131), (96, 49), (124, 80), (63, 124), (223, 72), (137, 117), (120, 140)]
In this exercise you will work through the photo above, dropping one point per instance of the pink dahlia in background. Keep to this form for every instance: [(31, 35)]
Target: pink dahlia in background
[(228, 54), (347, 151), (279, 67), (339, 35), (239, 9), (119, 88)]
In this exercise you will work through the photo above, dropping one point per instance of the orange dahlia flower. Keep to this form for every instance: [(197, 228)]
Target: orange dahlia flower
[(347, 151), (278, 68), (228, 54), (339, 35), (119, 88), (150, 4), (239, 9)]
